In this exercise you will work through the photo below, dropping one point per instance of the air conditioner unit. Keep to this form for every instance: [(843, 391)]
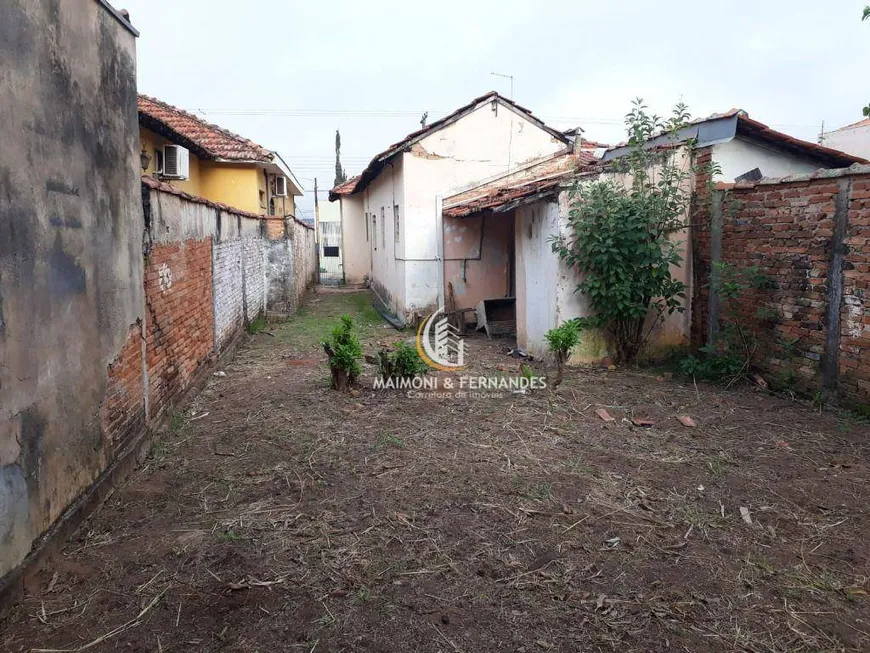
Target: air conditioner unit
[(176, 162), (280, 187)]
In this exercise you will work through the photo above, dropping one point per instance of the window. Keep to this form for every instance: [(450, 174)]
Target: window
[(375, 231), (396, 223), (383, 226), (158, 161)]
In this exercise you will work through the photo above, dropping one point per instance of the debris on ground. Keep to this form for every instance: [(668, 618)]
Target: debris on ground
[(291, 518)]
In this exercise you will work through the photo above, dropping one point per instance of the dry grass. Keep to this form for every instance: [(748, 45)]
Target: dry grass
[(294, 518)]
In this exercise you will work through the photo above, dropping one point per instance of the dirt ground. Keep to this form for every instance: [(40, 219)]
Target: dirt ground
[(278, 515)]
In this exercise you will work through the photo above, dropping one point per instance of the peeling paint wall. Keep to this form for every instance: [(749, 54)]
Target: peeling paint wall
[(387, 254), (477, 257), (482, 144), (71, 295), (545, 285), (355, 240)]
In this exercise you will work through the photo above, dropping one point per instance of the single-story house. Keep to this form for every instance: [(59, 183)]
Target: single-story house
[(530, 207), (391, 214)]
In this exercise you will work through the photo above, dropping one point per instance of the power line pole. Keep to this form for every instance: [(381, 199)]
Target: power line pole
[(316, 214)]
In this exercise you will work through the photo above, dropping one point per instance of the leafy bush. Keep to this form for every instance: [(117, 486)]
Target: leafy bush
[(621, 239), (344, 351), (403, 363), (729, 357), (561, 341)]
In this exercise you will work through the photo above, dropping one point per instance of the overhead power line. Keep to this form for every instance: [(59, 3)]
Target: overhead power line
[(366, 113)]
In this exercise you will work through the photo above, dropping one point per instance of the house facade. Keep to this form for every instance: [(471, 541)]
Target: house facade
[(854, 138), (208, 161), (393, 233), (536, 202)]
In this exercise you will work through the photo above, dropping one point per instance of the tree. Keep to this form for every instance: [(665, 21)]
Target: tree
[(340, 173), (621, 241)]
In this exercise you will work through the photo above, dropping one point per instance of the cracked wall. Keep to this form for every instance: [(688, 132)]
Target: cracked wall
[(70, 255)]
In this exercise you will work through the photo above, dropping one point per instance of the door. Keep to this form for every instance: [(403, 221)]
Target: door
[(331, 267)]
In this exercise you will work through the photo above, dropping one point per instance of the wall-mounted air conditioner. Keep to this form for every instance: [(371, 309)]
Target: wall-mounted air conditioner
[(176, 162), (280, 186)]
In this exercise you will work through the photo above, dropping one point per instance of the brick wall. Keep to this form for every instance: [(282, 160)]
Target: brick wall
[(253, 259), (228, 292), (179, 318), (122, 413), (701, 242), (305, 269), (809, 234), (854, 350)]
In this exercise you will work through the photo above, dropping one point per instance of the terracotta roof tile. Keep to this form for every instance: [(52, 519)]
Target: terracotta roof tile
[(534, 180), (217, 142), (860, 123), (347, 188), (378, 162)]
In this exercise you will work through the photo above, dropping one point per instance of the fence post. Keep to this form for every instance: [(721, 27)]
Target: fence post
[(715, 257), (830, 364)]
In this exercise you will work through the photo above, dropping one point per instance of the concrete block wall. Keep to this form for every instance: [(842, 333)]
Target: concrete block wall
[(810, 235), (305, 263)]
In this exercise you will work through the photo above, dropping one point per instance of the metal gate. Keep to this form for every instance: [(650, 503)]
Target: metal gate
[(331, 268)]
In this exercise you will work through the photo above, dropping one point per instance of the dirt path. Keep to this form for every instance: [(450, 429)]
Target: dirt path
[(277, 515)]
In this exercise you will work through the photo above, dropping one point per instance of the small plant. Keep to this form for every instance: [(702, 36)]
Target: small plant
[(402, 363), (562, 340), (344, 351), (390, 440), (229, 535), (729, 357), (257, 325)]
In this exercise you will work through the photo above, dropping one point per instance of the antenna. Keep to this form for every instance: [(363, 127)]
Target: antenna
[(510, 77)]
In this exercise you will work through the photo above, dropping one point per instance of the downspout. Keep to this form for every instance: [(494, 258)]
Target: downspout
[(439, 240)]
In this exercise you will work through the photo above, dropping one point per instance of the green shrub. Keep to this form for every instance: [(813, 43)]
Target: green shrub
[(344, 351), (402, 363), (620, 236), (561, 341)]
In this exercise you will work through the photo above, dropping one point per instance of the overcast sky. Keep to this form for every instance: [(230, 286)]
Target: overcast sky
[(328, 65)]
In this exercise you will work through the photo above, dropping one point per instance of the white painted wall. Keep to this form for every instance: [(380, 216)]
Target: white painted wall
[(478, 146), (356, 247), (739, 156), (387, 255), (854, 141)]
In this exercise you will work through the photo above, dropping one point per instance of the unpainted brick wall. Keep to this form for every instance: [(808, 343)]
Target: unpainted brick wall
[(122, 413), (179, 318), (854, 350), (701, 237), (790, 230)]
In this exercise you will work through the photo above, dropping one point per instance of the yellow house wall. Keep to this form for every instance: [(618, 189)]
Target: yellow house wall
[(237, 186), (152, 142)]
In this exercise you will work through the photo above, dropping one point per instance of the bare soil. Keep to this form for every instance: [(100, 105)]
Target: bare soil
[(279, 515)]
